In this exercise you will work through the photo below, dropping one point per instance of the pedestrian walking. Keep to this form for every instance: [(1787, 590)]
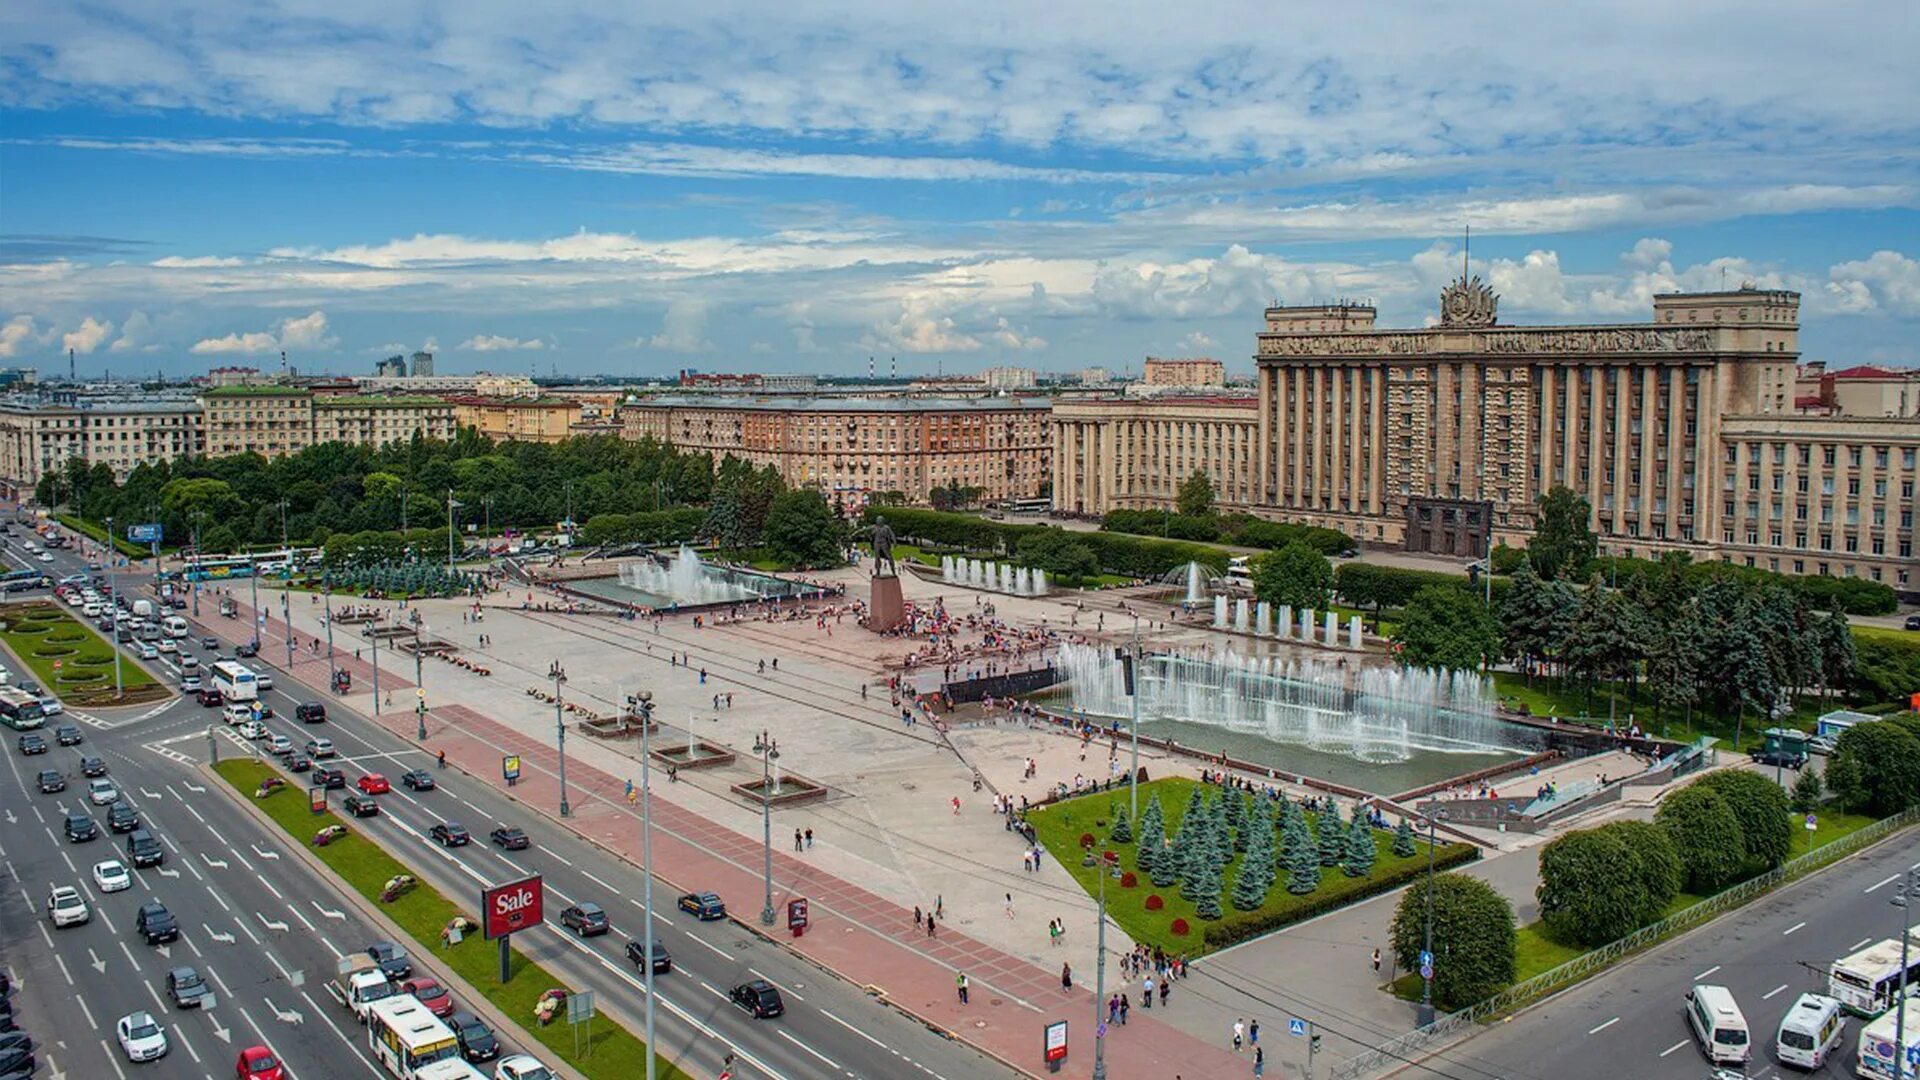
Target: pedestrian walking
[(1066, 977), (1009, 905), (1239, 1033), (1259, 1062), (1123, 1009), (930, 926), (956, 806), (796, 839), (1146, 993), (940, 905), (1376, 961), (1166, 987), (1253, 1033), (1113, 1009), (960, 984), (917, 917), (809, 839)]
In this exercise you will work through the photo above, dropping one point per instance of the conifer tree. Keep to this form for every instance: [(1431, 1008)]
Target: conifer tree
[(1333, 835), (1360, 849), (1122, 828), (1403, 844), (1302, 858)]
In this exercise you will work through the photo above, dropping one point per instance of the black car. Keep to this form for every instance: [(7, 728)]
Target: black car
[(476, 1038), (360, 804), (209, 642), (1780, 758), (16, 1040), (511, 838), (247, 648), (586, 919), (122, 818), (187, 989), (1913, 622), (51, 782), (759, 998), (80, 828), (208, 697), (15, 1063), (451, 834), (144, 850), (330, 779), (68, 735), (310, 712), (417, 779), (299, 762), (706, 906), (93, 766), (33, 743), (156, 923), (391, 958), (662, 959)]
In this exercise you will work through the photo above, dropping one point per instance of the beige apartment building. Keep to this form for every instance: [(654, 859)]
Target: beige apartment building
[(852, 447), (1198, 371), (273, 420), (368, 420), (1134, 453), (38, 437), (534, 419)]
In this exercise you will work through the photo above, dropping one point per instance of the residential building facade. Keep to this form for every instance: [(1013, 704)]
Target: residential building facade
[(534, 419), (39, 437), (1134, 453), (1010, 378), (273, 420), (1197, 371)]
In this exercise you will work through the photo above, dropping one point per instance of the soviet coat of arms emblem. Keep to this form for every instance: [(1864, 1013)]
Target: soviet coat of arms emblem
[(1468, 302)]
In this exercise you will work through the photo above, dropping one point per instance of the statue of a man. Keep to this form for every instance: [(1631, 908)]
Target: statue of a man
[(883, 564)]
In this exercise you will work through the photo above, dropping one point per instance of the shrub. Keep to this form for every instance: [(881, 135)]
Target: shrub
[(1875, 768), (1179, 928), (1371, 585), (1473, 938), (1706, 834), (1762, 807), (1338, 893), (1086, 839), (1128, 880), (1155, 903), (1598, 885)]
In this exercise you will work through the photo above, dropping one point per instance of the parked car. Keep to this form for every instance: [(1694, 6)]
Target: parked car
[(662, 959), (430, 993), (586, 919), (522, 1067), (759, 998), (510, 838), (1913, 622), (707, 906)]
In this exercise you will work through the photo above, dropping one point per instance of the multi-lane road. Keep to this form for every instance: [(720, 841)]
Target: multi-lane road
[(830, 1028)]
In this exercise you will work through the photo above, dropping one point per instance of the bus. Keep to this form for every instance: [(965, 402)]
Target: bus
[(1027, 506), (1868, 981), (235, 681), (219, 569), (406, 1037), (20, 710)]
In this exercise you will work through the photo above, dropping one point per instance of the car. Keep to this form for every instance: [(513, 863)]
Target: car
[(51, 782), (1780, 757), (45, 556), (144, 850), (101, 792), (476, 1038), (373, 784), (320, 748), (177, 603), (209, 642), (187, 989), (759, 998), (252, 730), (391, 958), (331, 779), (418, 780), (299, 762), (258, 1063), (91, 767), (80, 828), (190, 684), (706, 906), (141, 1037), (155, 923), (451, 834), (208, 697), (32, 743), (112, 876), (236, 713), (189, 662), (246, 648), (65, 734), (279, 745), (585, 919), (360, 804), (430, 993), (310, 712), (263, 682), (1913, 622), (662, 959), (15, 1042), (522, 1067), (122, 818), (66, 907), (510, 838), (167, 645)]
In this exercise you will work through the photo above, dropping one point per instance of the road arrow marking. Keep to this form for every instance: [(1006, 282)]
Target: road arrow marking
[(195, 788), (164, 872), (218, 864), (265, 854), (166, 952), (270, 924), (224, 939), (11, 820), (150, 794), (289, 1017), (221, 1033), (99, 965), (329, 913)]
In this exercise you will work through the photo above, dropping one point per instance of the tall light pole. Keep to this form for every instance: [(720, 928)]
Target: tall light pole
[(1908, 888), (113, 599), (286, 616), (372, 633), (333, 671), (769, 751), (419, 693), (643, 705), (1133, 735), (253, 584), (287, 547), (1426, 950), (1100, 975), (559, 676), (451, 507)]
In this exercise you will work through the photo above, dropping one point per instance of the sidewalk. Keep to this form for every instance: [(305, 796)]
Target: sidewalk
[(855, 933)]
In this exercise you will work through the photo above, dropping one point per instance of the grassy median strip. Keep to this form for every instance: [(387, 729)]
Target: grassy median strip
[(41, 634), (423, 913)]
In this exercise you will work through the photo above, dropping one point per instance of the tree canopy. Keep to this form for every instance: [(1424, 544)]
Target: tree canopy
[(1447, 627), (1295, 575), (1563, 541), (1195, 497)]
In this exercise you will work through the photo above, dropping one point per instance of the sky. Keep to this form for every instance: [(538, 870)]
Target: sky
[(582, 187)]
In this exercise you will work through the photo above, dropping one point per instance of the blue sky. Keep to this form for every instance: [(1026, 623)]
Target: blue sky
[(633, 189)]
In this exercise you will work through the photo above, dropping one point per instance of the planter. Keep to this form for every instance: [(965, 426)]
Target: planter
[(793, 789)]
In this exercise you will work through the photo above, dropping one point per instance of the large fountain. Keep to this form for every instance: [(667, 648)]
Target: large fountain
[(685, 580), (993, 576), (1376, 714)]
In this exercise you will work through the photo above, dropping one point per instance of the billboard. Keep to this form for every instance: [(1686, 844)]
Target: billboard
[(144, 534), (1055, 1042), (514, 906)]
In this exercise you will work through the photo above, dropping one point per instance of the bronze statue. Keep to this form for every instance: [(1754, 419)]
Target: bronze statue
[(883, 549)]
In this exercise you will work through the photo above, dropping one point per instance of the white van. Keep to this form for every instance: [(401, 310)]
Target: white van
[(176, 627), (1812, 1029), (1718, 1024)]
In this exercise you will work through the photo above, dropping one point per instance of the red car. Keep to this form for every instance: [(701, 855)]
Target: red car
[(258, 1063), (430, 993), (373, 784)]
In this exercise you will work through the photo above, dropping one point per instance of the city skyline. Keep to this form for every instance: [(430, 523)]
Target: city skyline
[(758, 189)]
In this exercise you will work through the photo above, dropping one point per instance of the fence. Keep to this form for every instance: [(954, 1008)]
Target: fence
[(1402, 1049)]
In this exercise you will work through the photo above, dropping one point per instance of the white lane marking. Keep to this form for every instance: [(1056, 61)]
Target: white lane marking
[(353, 1045), (1603, 1027), (716, 950), (216, 936), (331, 914), (216, 896), (129, 953), (63, 968), (790, 992), (298, 914), (271, 924), (1676, 1046), (1706, 973), (589, 875), (549, 851), (264, 854), (1773, 992), (113, 1059), (832, 1064), (1791, 929), (82, 999), (1888, 880), (1858, 945), (224, 988), (868, 1037), (217, 864), (195, 949)]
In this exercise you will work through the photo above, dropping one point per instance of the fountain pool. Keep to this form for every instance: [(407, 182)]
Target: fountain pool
[(685, 580)]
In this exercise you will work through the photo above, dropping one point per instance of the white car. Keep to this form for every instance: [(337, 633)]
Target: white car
[(51, 705), (112, 876), (45, 556), (141, 1037), (262, 681), (148, 652), (166, 645), (522, 1067), (279, 745), (237, 714), (189, 662), (253, 730), (101, 792), (66, 907)]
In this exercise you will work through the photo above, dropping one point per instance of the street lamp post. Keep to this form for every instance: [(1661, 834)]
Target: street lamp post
[(1426, 949), (1100, 977), (1903, 894), (419, 693), (559, 676), (451, 506), (253, 583), (286, 616), (643, 705), (372, 633), (333, 670), (769, 751), (113, 598), (1133, 734)]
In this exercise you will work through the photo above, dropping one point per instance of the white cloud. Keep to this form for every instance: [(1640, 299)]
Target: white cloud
[(16, 334), (1885, 279), (497, 343), (1008, 336), (683, 327), (1648, 252), (247, 344), (682, 159), (136, 332), (308, 332), (1198, 342), (87, 337), (197, 262)]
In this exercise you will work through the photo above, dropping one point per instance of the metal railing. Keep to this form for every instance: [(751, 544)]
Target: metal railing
[(1404, 1048)]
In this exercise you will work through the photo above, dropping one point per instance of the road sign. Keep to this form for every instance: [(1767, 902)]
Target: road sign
[(144, 534), (510, 907), (1913, 1055), (1812, 822), (580, 1007), (1426, 971), (1296, 1026), (1055, 1042), (1426, 958)]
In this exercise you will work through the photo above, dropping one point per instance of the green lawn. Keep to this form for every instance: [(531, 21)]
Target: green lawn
[(1060, 826), (422, 913), (41, 635), (1546, 697)]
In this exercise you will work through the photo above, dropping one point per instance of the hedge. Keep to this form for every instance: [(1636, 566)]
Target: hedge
[(1127, 556), (648, 526), (1371, 585), (1243, 529), (1335, 891)]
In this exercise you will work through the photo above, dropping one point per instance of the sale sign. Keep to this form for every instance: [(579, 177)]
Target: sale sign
[(514, 906)]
